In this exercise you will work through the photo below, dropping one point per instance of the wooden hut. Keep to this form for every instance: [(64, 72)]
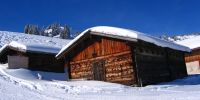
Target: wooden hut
[(123, 56), (192, 59), (34, 57)]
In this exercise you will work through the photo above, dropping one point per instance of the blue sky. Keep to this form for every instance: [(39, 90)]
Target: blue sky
[(154, 17)]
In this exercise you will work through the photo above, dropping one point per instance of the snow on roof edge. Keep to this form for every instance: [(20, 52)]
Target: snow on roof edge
[(163, 43), (18, 46), (27, 48), (71, 42), (138, 35), (129, 34)]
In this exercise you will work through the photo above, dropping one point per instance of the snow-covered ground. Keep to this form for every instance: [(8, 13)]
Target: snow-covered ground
[(23, 84), (6, 37)]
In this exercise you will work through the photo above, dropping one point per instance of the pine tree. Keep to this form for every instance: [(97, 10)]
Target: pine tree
[(32, 29), (26, 29), (52, 30), (65, 33)]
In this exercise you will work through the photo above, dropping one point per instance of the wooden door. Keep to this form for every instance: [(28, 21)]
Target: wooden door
[(99, 70)]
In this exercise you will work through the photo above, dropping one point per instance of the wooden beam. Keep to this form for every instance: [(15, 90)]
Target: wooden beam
[(138, 77), (101, 57)]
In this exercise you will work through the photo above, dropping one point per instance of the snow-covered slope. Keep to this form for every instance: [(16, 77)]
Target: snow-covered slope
[(6, 37), (189, 40), (22, 84), (192, 41)]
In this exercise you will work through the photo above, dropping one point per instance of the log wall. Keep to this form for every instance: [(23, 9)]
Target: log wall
[(113, 59)]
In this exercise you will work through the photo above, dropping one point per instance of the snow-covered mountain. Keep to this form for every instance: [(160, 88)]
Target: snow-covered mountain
[(6, 37)]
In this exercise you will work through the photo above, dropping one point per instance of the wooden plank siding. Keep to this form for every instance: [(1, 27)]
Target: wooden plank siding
[(152, 64), (113, 58), (176, 63), (45, 62), (193, 56), (156, 64)]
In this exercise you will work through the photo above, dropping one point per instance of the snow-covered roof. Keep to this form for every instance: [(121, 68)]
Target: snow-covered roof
[(192, 42), (125, 34), (23, 47)]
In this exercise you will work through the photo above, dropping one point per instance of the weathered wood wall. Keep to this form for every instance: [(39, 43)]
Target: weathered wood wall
[(15, 62), (193, 56), (193, 61), (97, 46), (131, 63), (45, 62), (152, 64), (176, 63), (156, 64), (103, 59)]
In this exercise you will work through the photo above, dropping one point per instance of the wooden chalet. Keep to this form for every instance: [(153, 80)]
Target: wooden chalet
[(33, 57), (123, 56)]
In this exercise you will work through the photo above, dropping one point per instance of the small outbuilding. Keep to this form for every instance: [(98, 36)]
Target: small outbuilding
[(33, 57), (123, 56), (192, 59)]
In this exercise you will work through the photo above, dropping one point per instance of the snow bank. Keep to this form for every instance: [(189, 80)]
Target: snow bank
[(22, 84), (126, 33), (33, 75)]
